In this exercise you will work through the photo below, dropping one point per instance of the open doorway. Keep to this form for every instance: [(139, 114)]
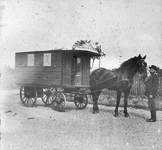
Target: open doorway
[(77, 71)]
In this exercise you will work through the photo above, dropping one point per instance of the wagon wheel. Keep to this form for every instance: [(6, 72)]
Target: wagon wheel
[(28, 96), (80, 100), (59, 101), (48, 95)]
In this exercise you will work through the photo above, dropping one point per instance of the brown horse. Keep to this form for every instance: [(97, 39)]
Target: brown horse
[(119, 80)]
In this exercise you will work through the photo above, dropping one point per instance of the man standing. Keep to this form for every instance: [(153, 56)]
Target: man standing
[(151, 92)]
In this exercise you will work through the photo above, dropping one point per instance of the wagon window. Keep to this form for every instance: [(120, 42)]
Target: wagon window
[(47, 59), (30, 59)]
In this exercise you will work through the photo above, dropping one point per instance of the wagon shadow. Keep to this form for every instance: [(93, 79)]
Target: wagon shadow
[(68, 107), (36, 105)]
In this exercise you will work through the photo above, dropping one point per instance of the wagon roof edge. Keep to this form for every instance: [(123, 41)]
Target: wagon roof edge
[(90, 51)]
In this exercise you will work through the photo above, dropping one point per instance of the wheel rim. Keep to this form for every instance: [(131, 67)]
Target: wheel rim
[(28, 96), (81, 100), (59, 102), (48, 95)]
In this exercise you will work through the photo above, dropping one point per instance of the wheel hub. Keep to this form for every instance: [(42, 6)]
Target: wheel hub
[(48, 93), (29, 94), (79, 99)]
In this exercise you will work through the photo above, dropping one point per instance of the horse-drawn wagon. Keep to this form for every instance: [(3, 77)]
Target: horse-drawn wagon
[(52, 73)]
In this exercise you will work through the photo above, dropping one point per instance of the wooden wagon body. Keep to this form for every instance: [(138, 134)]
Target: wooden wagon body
[(43, 72)]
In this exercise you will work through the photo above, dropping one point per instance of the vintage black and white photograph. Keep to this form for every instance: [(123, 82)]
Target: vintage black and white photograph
[(81, 75)]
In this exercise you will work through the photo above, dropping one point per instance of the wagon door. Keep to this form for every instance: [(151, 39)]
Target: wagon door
[(78, 70), (81, 70)]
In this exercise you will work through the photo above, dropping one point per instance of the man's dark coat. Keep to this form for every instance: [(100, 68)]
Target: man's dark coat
[(151, 86)]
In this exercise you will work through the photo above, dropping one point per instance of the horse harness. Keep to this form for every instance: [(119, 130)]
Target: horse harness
[(116, 76)]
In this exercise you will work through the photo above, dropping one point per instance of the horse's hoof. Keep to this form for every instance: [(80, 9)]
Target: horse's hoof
[(116, 115), (126, 115), (95, 111)]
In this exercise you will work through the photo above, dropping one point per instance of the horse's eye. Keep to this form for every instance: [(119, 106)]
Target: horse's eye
[(139, 63)]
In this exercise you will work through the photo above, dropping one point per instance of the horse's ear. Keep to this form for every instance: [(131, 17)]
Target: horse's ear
[(144, 57), (139, 56)]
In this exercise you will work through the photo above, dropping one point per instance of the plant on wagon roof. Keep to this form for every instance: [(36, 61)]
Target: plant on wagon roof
[(90, 45)]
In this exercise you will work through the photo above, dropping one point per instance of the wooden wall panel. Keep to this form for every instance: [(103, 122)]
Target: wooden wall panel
[(57, 59), (66, 69), (39, 75), (38, 59), (38, 69), (21, 60)]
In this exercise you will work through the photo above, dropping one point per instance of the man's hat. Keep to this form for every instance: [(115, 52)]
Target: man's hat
[(154, 67)]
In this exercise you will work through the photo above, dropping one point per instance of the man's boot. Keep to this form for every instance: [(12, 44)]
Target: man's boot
[(149, 120), (153, 116)]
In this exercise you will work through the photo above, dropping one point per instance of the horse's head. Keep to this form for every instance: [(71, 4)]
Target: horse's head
[(142, 66)]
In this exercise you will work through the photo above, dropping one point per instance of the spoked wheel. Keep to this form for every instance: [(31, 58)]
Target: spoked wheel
[(28, 96), (59, 101), (80, 100), (48, 95)]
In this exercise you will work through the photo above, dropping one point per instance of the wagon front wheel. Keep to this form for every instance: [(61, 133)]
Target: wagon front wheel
[(28, 96), (48, 95), (59, 101), (80, 100)]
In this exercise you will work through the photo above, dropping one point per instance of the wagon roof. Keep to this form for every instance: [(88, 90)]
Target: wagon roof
[(78, 50)]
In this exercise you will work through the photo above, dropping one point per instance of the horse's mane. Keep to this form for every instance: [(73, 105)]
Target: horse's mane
[(126, 63)]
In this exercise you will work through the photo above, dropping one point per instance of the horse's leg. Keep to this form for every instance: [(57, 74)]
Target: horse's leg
[(117, 103), (126, 95), (95, 102)]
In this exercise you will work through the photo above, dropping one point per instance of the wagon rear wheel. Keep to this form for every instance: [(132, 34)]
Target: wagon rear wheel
[(48, 95), (80, 100), (59, 101), (28, 96)]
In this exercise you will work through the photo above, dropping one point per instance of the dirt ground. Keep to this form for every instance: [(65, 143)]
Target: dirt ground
[(41, 128)]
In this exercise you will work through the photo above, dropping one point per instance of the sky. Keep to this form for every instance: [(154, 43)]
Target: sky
[(123, 28)]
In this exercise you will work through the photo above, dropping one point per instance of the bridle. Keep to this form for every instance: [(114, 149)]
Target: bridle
[(142, 65)]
